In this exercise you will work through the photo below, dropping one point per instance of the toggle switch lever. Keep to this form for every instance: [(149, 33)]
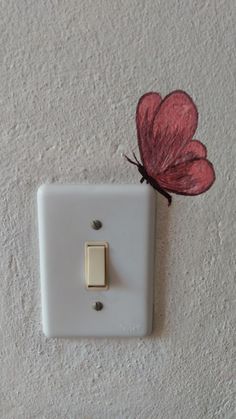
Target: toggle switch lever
[(96, 254)]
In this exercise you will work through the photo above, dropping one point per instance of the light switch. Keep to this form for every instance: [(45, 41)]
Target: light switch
[(96, 281), (95, 265)]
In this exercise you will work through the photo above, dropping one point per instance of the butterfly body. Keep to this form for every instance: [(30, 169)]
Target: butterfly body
[(149, 179), (171, 159)]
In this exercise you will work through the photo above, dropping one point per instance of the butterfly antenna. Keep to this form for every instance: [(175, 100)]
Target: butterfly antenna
[(136, 158), (131, 161)]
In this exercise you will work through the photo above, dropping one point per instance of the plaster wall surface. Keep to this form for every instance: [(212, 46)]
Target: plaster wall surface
[(71, 73)]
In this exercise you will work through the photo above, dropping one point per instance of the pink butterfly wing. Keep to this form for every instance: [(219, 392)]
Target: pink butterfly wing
[(188, 178), (165, 130), (173, 125), (193, 150), (146, 110)]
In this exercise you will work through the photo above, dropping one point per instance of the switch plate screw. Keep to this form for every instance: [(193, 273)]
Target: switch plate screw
[(96, 224), (98, 306)]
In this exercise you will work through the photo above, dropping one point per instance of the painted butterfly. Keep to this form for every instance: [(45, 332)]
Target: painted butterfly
[(172, 160)]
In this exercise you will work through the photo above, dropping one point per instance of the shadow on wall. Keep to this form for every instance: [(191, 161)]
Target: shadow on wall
[(163, 213)]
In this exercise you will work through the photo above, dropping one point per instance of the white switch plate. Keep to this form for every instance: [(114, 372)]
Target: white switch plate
[(127, 214)]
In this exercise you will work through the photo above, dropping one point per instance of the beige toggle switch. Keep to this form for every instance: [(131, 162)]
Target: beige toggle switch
[(96, 264)]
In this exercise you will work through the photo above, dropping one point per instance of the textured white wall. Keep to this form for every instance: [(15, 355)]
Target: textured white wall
[(71, 73)]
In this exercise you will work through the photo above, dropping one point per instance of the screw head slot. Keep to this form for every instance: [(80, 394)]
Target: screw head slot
[(96, 224), (98, 306)]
